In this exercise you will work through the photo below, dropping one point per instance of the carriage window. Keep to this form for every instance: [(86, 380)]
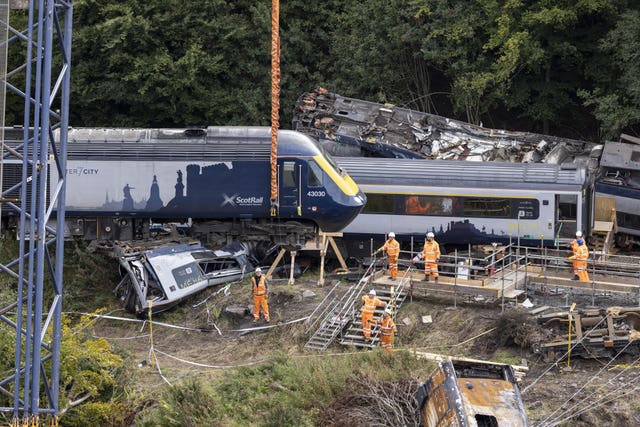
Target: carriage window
[(314, 179), (379, 203), (187, 275), (487, 207), (428, 205), (289, 174)]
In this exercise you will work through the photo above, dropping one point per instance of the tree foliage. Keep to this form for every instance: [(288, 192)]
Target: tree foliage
[(89, 372), (540, 65)]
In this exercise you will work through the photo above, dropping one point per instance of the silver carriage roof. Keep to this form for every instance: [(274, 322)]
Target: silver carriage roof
[(213, 142), (454, 173), (620, 155)]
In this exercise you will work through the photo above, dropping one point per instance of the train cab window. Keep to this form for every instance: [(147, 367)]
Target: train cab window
[(379, 203), (487, 207), (289, 174), (314, 178)]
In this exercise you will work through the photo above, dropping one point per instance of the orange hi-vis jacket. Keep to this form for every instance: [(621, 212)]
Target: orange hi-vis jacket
[(574, 245), (370, 304), (581, 254), (392, 247), (260, 288), (387, 327), (431, 250)]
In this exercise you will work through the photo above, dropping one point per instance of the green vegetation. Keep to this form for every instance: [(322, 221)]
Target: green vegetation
[(286, 391), (92, 379), (567, 68), (91, 375)]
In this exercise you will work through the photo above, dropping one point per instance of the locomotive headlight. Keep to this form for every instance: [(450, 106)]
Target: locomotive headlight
[(358, 199)]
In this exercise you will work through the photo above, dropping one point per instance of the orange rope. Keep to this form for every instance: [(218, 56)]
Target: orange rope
[(275, 101)]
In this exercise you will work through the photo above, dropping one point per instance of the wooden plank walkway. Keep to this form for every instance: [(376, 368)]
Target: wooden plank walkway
[(488, 287)]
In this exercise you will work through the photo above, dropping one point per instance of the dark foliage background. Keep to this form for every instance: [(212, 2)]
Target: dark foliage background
[(563, 67)]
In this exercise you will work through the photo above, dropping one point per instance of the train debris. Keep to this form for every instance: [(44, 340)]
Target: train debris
[(467, 393), (385, 130), (165, 275), (595, 332)]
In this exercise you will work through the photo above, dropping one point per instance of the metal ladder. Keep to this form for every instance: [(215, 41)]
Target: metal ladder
[(335, 315), (394, 297)]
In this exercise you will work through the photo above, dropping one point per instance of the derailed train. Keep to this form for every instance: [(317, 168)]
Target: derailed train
[(354, 127), (467, 202), (121, 181)]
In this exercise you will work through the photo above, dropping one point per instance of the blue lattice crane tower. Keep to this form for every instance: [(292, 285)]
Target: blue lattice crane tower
[(42, 81)]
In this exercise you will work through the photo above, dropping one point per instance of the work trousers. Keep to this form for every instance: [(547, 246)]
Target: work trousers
[(260, 301), (393, 266), (366, 324), (430, 268)]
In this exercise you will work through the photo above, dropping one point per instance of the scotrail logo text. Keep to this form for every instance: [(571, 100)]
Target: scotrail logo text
[(237, 200)]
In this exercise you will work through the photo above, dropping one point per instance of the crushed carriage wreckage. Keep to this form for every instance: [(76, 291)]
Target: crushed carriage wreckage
[(349, 127), (352, 127), (160, 276)]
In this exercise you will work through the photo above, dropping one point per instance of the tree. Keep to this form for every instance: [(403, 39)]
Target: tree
[(89, 369), (375, 48), (616, 72)]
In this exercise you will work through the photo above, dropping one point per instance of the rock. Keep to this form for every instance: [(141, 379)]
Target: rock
[(427, 319), (308, 294), (236, 311), (535, 405)]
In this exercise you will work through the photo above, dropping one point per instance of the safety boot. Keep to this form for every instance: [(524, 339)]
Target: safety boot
[(435, 281), (426, 277)]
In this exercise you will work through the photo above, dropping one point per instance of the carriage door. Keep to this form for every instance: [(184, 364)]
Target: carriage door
[(289, 188), (568, 213)]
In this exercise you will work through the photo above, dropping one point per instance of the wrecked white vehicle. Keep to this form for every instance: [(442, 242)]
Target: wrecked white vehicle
[(161, 277)]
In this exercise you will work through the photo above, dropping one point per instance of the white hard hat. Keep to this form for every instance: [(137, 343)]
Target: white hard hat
[(578, 233), (392, 234), (258, 270), (387, 311), (429, 234), (372, 292)]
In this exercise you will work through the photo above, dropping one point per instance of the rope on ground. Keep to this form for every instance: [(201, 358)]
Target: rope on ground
[(136, 337), (152, 355), (584, 336), (225, 290), (186, 328), (458, 344), (257, 328), (204, 365), (126, 319)]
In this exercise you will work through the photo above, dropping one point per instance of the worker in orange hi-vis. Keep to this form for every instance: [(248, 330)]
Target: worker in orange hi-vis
[(387, 329), (431, 256), (580, 257), (574, 248), (370, 302), (412, 205), (392, 248), (260, 291)]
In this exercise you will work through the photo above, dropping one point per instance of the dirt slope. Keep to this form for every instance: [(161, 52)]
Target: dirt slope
[(478, 330)]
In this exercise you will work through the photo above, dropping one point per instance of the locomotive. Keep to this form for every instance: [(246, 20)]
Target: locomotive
[(215, 179)]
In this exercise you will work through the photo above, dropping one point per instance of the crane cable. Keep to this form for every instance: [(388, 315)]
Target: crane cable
[(275, 101)]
